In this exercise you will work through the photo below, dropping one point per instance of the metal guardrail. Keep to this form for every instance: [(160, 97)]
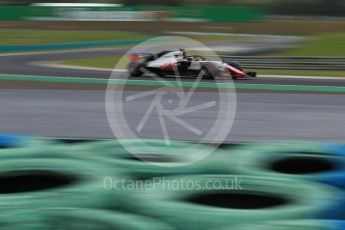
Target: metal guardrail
[(298, 63)]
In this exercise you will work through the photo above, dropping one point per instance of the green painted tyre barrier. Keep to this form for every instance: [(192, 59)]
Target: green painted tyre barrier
[(20, 219), (310, 161), (148, 162), (211, 201), (44, 183), (52, 151), (144, 147), (293, 225), (91, 219)]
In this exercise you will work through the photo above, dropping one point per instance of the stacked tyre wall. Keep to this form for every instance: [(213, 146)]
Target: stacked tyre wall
[(100, 184)]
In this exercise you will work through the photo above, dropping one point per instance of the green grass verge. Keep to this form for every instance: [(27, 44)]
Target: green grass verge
[(216, 38), (35, 36), (100, 62), (322, 45), (43, 36)]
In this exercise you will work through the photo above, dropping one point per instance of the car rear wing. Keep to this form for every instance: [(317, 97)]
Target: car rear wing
[(139, 56)]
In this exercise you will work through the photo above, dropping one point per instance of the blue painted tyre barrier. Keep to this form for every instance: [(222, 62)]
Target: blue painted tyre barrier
[(336, 212), (215, 201), (306, 161), (17, 141), (293, 225), (337, 148), (7, 140)]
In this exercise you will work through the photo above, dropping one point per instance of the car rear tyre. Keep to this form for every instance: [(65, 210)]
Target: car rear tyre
[(134, 69)]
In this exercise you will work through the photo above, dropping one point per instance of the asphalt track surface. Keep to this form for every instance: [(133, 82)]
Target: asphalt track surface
[(259, 116), (26, 64), (81, 113)]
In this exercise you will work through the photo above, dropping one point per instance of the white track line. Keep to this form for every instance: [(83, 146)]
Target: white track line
[(62, 66)]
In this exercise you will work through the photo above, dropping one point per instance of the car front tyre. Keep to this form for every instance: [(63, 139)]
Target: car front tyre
[(207, 74)]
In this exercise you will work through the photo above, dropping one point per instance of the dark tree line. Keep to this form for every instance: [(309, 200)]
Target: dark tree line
[(280, 7), (308, 7)]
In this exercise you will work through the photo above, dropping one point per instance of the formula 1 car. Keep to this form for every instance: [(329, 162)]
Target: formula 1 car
[(175, 63)]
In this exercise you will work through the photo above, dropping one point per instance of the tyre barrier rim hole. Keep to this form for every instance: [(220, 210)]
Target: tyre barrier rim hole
[(154, 158), (76, 141), (7, 146), (303, 165), (33, 180), (240, 200), (226, 146)]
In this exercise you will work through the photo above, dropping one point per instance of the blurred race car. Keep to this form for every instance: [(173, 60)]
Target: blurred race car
[(175, 63)]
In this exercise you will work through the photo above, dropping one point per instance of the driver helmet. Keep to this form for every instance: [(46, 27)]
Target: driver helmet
[(183, 53)]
